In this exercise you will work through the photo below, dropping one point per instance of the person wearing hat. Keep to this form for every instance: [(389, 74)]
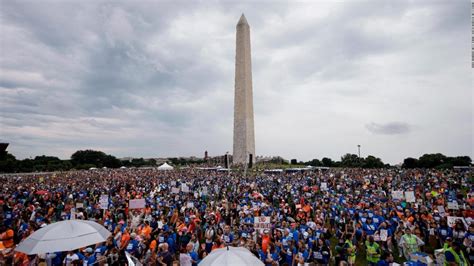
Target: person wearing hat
[(373, 251), (90, 257), (453, 254)]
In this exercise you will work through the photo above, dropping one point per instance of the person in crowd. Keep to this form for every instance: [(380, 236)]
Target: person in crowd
[(308, 210)]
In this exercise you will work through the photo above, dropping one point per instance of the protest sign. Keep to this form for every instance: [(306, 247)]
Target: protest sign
[(104, 202), (175, 190), (453, 205), (79, 205), (261, 223), (136, 204), (383, 234), (324, 186), (441, 211), (452, 221), (204, 191), (190, 205), (410, 196), (184, 188), (397, 195)]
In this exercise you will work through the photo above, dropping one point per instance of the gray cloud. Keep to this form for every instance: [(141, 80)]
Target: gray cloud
[(156, 78), (391, 128)]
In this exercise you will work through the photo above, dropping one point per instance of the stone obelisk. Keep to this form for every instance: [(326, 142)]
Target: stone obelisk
[(244, 137)]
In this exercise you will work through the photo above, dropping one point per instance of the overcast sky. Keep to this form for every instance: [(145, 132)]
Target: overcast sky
[(153, 79)]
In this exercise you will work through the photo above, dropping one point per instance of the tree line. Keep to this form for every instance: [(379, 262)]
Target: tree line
[(436, 160), (82, 159), (86, 159)]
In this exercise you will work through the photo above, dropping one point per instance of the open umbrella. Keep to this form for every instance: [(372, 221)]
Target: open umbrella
[(231, 256), (63, 236)]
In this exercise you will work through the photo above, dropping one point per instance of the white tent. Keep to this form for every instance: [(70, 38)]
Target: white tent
[(165, 166), (231, 256), (63, 236)]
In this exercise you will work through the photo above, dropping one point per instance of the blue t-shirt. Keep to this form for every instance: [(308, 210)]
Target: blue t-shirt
[(369, 229)]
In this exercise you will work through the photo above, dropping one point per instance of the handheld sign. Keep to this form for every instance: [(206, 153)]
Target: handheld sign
[(324, 186), (184, 188), (383, 234), (410, 196), (261, 223), (136, 204), (104, 202), (453, 205), (397, 195)]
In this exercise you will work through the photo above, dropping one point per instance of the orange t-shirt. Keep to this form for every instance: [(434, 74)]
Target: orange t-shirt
[(265, 243), (8, 243), (146, 231), (153, 245), (125, 239)]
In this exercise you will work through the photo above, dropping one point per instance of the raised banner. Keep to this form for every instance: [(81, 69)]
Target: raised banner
[(104, 202), (410, 196), (453, 205), (136, 204), (261, 223), (184, 188), (324, 186), (398, 195)]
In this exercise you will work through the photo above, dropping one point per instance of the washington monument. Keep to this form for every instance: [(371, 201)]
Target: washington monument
[(244, 137)]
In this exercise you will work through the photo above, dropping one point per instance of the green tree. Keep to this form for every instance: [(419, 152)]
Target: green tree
[(8, 163), (372, 162), (314, 162), (431, 160), (327, 162), (351, 160), (410, 163)]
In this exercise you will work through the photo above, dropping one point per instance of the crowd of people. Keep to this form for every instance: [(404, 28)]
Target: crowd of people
[(317, 217)]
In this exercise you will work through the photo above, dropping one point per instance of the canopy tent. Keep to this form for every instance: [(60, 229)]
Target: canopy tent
[(165, 166), (63, 236), (231, 256)]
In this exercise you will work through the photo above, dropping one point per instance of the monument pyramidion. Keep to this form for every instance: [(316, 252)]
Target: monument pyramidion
[(244, 136)]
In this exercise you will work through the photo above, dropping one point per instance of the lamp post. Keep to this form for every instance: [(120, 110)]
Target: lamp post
[(358, 148)]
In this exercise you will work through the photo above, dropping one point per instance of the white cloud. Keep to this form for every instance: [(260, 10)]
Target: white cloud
[(156, 79)]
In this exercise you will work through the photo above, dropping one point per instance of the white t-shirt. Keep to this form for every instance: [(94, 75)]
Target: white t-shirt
[(185, 259), (69, 259)]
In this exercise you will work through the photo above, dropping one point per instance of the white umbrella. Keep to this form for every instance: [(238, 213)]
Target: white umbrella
[(231, 256), (63, 236)]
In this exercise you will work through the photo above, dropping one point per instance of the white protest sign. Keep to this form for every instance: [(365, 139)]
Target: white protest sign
[(79, 205), (441, 211), (136, 204), (104, 202), (173, 183), (452, 221), (410, 196), (261, 223), (184, 188), (383, 234), (398, 195), (204, 191), (324, 186), (190, 205), (453, 205), (175, 190)]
